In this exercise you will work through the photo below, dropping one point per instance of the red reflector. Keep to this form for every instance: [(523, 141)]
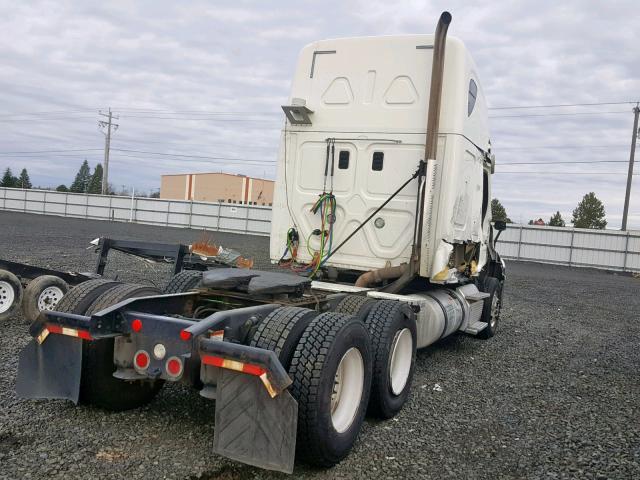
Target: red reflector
[(213, 361), (174, 367), (253, 369), (136, 325), (54, 328), (84, 335), (142, 360), (184, 335)]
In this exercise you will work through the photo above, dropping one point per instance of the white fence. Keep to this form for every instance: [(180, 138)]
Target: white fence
[(608, 249), (223, 217)]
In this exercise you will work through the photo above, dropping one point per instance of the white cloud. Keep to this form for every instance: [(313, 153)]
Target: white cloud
[(78, 57)]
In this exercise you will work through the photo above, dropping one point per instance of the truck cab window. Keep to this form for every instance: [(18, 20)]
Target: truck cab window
[(378, 161), (343, 160), (473, 92)]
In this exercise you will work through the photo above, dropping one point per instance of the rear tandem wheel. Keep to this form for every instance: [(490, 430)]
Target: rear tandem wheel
[(183, 281), (42, 294), (331, 373), (97, 385), (10, 294)]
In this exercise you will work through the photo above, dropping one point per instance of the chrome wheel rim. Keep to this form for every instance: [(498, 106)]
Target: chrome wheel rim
[(49, 298), (401, 356), (347, 391), (7, 296)]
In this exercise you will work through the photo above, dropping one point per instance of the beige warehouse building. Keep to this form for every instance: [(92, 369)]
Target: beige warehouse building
[(217, 187)]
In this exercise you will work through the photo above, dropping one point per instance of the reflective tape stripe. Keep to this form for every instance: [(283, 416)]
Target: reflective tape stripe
[(233, 365), (43, 336), (267, 385), (252, 369), (217, 335), (213, 361), (70, 332), (247, 368)]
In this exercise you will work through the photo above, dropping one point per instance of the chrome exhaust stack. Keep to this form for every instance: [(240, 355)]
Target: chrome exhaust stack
[(411, 269), (433, 123)]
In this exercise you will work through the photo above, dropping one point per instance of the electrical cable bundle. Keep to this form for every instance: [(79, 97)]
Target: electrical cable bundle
[(326, 205)]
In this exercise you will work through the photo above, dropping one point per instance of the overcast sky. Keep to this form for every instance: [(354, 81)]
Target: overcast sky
[(208, 78)]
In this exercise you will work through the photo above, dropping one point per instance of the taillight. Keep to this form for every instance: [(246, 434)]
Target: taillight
[(141, 360), (136, 325), (185, 335), (174, 367)]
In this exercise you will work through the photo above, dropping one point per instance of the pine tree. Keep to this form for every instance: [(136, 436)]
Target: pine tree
[(95, 182), (498, 212), (589, 213), (8, 180), (62, 188), (556, 220), (81, 182), (24, 181)]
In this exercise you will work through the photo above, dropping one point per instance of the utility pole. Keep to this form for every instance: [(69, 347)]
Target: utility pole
[(634, 137), (107, 144)]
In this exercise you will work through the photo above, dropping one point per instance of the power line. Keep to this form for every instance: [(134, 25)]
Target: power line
[(55, 151), (263, 163), (277, 112), (201, 119), (563, 162), (43, 119), (559, 105), (199, 112), (532, 147), (567, 173), (568, 114), (191, 156), (53, 112), (79, 152)]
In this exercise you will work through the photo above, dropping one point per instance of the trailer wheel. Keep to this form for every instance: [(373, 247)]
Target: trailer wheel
[(392, 327), (183, 281), (281, 330), (42, 293), (98, 386), (79, 298), (359, 305), (491, 308), (331, 373), (10, 294)]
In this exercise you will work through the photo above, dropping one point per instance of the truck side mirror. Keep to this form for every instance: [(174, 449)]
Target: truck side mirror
[(500, 225)]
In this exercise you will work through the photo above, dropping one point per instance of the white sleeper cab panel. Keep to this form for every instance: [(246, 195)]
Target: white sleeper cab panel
[(371, 95)]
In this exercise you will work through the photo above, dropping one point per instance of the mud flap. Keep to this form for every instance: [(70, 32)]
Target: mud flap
[(253, 428), (51, 369)]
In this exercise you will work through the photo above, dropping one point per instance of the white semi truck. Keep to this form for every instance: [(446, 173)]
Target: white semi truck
[(383, 239)]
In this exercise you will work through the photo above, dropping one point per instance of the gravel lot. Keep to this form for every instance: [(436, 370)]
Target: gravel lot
[(556, 394)]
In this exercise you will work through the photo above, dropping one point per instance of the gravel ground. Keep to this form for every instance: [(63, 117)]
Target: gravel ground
[(556, 394)]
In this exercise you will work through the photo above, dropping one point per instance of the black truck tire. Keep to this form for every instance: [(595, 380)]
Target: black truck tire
[(98, 386), (392, 327), (358, 305), (183, 281), (79, 298), (42, 293), (491, 308), (10, 294), (328, 430), (281, 330)]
